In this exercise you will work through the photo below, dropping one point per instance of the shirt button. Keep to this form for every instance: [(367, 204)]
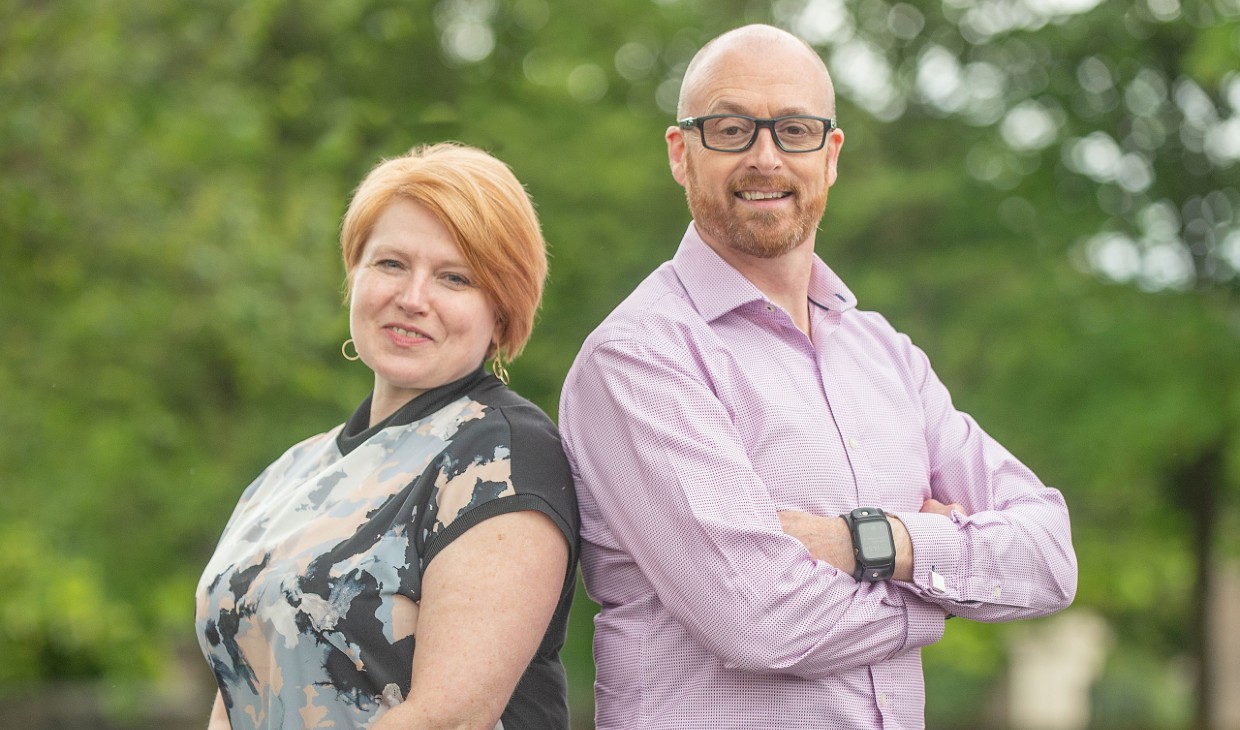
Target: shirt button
[(852, 442), (882, 699)]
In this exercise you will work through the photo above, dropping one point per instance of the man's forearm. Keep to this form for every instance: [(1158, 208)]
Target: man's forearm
[(828, 538)]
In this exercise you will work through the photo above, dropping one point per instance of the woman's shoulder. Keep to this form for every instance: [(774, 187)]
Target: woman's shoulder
[(510, 448), (319, 446), (505, 415)]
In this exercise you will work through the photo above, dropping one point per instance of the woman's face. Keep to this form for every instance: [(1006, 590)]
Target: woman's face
[(416, 315)]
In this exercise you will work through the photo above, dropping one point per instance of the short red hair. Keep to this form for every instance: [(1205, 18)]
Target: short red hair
[(487, 211)]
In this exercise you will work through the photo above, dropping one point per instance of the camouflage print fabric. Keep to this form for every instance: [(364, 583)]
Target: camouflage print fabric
[(308, 610)]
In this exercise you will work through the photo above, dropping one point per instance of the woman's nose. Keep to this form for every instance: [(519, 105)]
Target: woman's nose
[(414, 293)]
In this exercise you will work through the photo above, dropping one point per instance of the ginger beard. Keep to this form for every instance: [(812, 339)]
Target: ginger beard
[(760, 234)]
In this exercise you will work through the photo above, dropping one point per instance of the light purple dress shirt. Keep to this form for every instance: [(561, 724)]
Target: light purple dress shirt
[(694, 414)]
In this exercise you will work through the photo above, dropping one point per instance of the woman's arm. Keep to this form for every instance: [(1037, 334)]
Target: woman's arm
[(487, 599), (219, 716)]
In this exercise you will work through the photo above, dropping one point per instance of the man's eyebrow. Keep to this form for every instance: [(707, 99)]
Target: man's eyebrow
[(731, 107)]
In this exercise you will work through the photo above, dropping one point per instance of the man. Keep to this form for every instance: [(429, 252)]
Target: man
[(727, 414)]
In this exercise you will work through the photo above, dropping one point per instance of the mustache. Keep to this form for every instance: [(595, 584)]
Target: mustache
[(773, 182)]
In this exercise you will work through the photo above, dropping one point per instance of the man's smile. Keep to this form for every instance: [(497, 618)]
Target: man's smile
[(759, 195)]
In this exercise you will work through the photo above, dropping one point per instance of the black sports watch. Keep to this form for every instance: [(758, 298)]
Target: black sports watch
[(873, 543)]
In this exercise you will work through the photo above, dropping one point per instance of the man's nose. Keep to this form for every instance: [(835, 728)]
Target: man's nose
[(765, 152)]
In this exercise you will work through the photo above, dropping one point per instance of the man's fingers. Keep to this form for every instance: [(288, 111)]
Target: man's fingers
[(936, 507)]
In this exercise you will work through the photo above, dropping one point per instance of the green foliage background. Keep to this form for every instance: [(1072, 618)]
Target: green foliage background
[(174, 175)]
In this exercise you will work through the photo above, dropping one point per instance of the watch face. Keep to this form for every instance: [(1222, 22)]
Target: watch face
[(875, 541)]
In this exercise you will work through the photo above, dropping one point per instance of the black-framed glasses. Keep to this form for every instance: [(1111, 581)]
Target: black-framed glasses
[(737, 132)]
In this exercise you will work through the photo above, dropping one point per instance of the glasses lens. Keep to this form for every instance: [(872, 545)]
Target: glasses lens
[(801, 133), (727, 133), (732, 134)]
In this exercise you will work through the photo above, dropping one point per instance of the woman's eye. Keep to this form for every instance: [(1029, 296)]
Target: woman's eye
[(456, 279)]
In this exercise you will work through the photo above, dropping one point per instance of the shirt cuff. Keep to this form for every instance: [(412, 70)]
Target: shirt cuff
[(937, 548), (925, 621)]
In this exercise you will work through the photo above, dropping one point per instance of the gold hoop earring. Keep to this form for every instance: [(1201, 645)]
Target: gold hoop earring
[(344, 350), (500, 371)]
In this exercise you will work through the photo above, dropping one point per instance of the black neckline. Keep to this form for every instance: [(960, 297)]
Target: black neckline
[(357, 429)]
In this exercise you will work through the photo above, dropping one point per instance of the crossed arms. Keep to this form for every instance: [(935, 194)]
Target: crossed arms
[(759, 575)]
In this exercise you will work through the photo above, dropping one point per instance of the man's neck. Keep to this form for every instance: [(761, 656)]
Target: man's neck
[(783, 279)]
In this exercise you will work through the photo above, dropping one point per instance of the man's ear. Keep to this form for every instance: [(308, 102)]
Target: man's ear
[(835, 141), (675, 137)]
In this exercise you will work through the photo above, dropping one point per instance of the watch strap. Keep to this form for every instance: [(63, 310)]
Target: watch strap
[(865, 570)]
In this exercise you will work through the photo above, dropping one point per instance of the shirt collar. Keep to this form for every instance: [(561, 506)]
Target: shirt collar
[(357, 430), (716, 288), (828, 290)]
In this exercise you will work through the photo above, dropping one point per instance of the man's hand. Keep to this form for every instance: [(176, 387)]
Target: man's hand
[(936, 507), (827, 538)]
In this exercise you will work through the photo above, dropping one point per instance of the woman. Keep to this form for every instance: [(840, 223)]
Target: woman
[(440, 516)]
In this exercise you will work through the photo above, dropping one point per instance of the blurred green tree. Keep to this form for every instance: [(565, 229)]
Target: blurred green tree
[(1041, 193), (1057, 187)]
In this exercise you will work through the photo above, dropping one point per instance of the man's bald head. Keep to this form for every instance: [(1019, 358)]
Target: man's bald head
[(713, 60)]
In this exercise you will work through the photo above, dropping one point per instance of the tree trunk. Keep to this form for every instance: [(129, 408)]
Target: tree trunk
[(1201, 487)]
